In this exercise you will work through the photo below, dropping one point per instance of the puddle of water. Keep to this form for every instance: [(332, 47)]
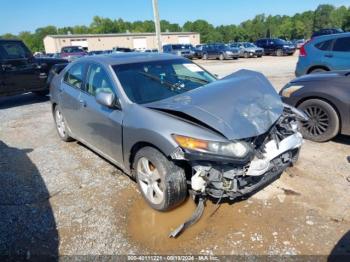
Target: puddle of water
[(247, 227), (152, 228)]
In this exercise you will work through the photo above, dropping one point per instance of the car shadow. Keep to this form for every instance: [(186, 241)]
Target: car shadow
[(21, 100), (27, 223), (341, 251), (342, 139)]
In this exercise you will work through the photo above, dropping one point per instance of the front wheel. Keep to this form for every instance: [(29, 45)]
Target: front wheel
[(221, 57), (279, 52), (205, 57), (162, 184), (323, 123)]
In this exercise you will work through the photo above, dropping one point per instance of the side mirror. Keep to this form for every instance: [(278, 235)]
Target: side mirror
[(107, 99)]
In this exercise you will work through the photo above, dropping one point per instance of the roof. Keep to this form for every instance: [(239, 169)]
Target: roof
[(119, 34), (131, 57)]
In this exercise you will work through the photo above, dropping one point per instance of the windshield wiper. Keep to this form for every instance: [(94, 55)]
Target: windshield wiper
[(198, 79), (168, 85), (174, 87)]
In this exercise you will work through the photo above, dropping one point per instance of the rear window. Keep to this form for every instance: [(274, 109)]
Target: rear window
[(325, 45), (74, 76), (13, 50), (342, 44)]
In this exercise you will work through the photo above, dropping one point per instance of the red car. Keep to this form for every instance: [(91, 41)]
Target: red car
[(72, 52)]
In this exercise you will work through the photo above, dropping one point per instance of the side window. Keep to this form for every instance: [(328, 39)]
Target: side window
[(13, 50), (325, 45), (74, 76), (97, 80), (342, 44)]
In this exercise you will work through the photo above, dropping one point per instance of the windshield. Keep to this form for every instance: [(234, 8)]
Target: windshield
[(179, 47), (153, 81), (280, 42), (72, 49), (248, 45)]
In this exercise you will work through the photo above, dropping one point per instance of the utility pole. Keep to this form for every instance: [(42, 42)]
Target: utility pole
[(157, 24)]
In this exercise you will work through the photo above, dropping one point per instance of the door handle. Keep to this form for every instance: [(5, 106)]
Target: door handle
[(328, 55), (82, 102)]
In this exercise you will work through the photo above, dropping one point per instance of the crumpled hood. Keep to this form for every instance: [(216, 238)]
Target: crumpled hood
[(241, 105)]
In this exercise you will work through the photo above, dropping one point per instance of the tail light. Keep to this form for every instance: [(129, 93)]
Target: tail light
[(302, 51)]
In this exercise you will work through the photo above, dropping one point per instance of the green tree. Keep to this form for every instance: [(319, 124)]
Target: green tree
[(322, 16)]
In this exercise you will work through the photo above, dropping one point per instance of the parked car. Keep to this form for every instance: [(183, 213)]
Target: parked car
[(324, 53), (97, 52), (247, 49), (275, 46), (198, 51), (184, 50), (219, 51), (154, 50), (299, 43), (20, 71), (174, 127), (325, 99), (72, 53), (327, 31), (122, 50)]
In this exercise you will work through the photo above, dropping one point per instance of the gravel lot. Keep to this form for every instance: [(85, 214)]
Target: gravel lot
[(62, 199)]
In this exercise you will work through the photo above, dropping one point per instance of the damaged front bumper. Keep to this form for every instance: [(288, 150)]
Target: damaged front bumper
[(226, 177), (220, 177), (232, 181)]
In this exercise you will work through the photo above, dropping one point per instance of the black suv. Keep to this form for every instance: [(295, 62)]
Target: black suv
[(276, 46), (20, 71)]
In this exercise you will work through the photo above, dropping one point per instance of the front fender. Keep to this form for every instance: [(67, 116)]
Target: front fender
[(148, 126)]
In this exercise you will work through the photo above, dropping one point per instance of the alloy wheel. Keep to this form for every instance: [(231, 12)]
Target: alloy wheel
[(61, 127), (318, 122), (150, 181)]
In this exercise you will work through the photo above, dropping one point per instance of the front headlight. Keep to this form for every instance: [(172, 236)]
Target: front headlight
[(290, 89), (232, 149)]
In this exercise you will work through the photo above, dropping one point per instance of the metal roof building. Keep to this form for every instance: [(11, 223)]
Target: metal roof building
[(139, 41)]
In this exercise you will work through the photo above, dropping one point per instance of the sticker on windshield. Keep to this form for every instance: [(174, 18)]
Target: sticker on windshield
[(193, 67)]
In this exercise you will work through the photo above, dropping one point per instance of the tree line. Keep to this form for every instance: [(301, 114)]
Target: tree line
[(300, 25)]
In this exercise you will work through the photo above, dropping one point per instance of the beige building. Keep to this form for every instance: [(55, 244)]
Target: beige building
[(139, 41)]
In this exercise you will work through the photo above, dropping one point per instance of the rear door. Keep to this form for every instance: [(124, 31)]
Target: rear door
[(102, 125), (69, 98), (340, 56), (19, 70)]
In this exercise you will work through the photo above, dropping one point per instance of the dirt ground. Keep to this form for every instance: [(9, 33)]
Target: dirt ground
[(62, 199)]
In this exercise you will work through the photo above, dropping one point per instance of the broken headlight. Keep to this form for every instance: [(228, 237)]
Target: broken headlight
[(237, 149)]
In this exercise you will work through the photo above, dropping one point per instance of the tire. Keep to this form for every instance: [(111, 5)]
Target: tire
[(324, 122), (317, 70), (61, 126), (205, 57), (169, 185), (246, 55), (279, 52), (259, 56), (221, 57)]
